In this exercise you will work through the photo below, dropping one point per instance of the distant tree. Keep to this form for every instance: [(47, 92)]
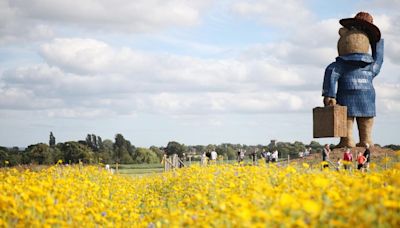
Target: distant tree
[(93, 142), (122, 150), (210, 147), (299, 146), (144, 155), (200, 148), (393, 147), (95, 146), (39, 153), (89, 141), (52, 140), (231, 153), (227, 151), (105, 153), (74, 151), (175, 148), (157, 151), (3, 156), (315, 145), (99, 143)]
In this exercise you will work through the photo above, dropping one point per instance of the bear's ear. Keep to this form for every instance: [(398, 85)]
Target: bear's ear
[(343, 31)]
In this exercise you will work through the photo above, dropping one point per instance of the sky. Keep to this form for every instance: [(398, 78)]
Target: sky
[(192, 71)]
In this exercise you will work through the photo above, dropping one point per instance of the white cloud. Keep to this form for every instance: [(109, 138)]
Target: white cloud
[(37, 20), (214, 103), (90, 73), (14, 27), (388, 5), (390, 29), (97, 59), (122, 15), (79, 112), (78, 55), (289, 13), (25, 99)]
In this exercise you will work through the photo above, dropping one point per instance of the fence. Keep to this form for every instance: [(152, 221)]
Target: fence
[(174, 161)]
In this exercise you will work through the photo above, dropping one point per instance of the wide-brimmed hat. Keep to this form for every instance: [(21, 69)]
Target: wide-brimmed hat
[(364, 22)]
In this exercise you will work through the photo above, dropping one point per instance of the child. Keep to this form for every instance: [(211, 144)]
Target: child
[(347, 158), (361, 160)]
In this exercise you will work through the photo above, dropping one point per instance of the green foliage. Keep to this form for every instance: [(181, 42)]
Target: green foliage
[(291, 149), (231, 153), (93, 142), (52, 140), (39, 153), (315, 145), (175, 148), (393, 147), (73, 152), (3, 156), (123, 150), (143, 155), (105, 152), (157, 151)]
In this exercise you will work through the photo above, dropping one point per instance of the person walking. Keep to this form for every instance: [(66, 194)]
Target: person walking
[(214, 156), (361, 161), (325, 156), (203, 159), (347, 158), (241, 153), (275, 156), (268, 157), (254, 156), (367, 155)]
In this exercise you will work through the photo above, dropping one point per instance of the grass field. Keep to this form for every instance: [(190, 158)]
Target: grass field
[(139, 169)]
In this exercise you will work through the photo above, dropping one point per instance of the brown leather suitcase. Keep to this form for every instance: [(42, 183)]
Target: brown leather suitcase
[(330, 121)]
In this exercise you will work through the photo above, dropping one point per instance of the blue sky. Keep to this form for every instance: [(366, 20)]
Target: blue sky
[(197, 72)]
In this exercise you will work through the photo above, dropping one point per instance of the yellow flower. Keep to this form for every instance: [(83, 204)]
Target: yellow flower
[(196, 196), (312, 207)]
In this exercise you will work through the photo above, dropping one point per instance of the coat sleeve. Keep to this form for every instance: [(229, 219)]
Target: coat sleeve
[(377, 54), (330, 79)]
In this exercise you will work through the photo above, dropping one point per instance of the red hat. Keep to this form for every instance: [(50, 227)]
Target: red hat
[(363, 21)]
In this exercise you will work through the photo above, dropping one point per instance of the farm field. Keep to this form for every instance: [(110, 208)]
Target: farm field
[(217, 195), (139, 169)]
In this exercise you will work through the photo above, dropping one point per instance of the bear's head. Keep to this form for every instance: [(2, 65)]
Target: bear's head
[(352, 41), (357, 34)]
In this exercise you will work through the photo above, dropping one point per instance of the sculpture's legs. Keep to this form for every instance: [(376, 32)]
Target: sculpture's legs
[(365, 130), (349, 140)]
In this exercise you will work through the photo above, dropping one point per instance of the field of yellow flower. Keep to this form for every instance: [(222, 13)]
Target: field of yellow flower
[(216, 196)]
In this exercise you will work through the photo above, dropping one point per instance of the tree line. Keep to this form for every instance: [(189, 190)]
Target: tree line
[(93, 150)]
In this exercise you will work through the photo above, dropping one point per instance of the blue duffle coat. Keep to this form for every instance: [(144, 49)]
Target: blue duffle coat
[(353, 74)]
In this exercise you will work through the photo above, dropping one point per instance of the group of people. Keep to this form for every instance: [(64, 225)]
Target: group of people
[(305, 153), (209, 156), (270, 157), (266, 155), (363, 158)]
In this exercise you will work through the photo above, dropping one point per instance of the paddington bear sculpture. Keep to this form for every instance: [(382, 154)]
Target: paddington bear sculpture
[(353, 73)]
